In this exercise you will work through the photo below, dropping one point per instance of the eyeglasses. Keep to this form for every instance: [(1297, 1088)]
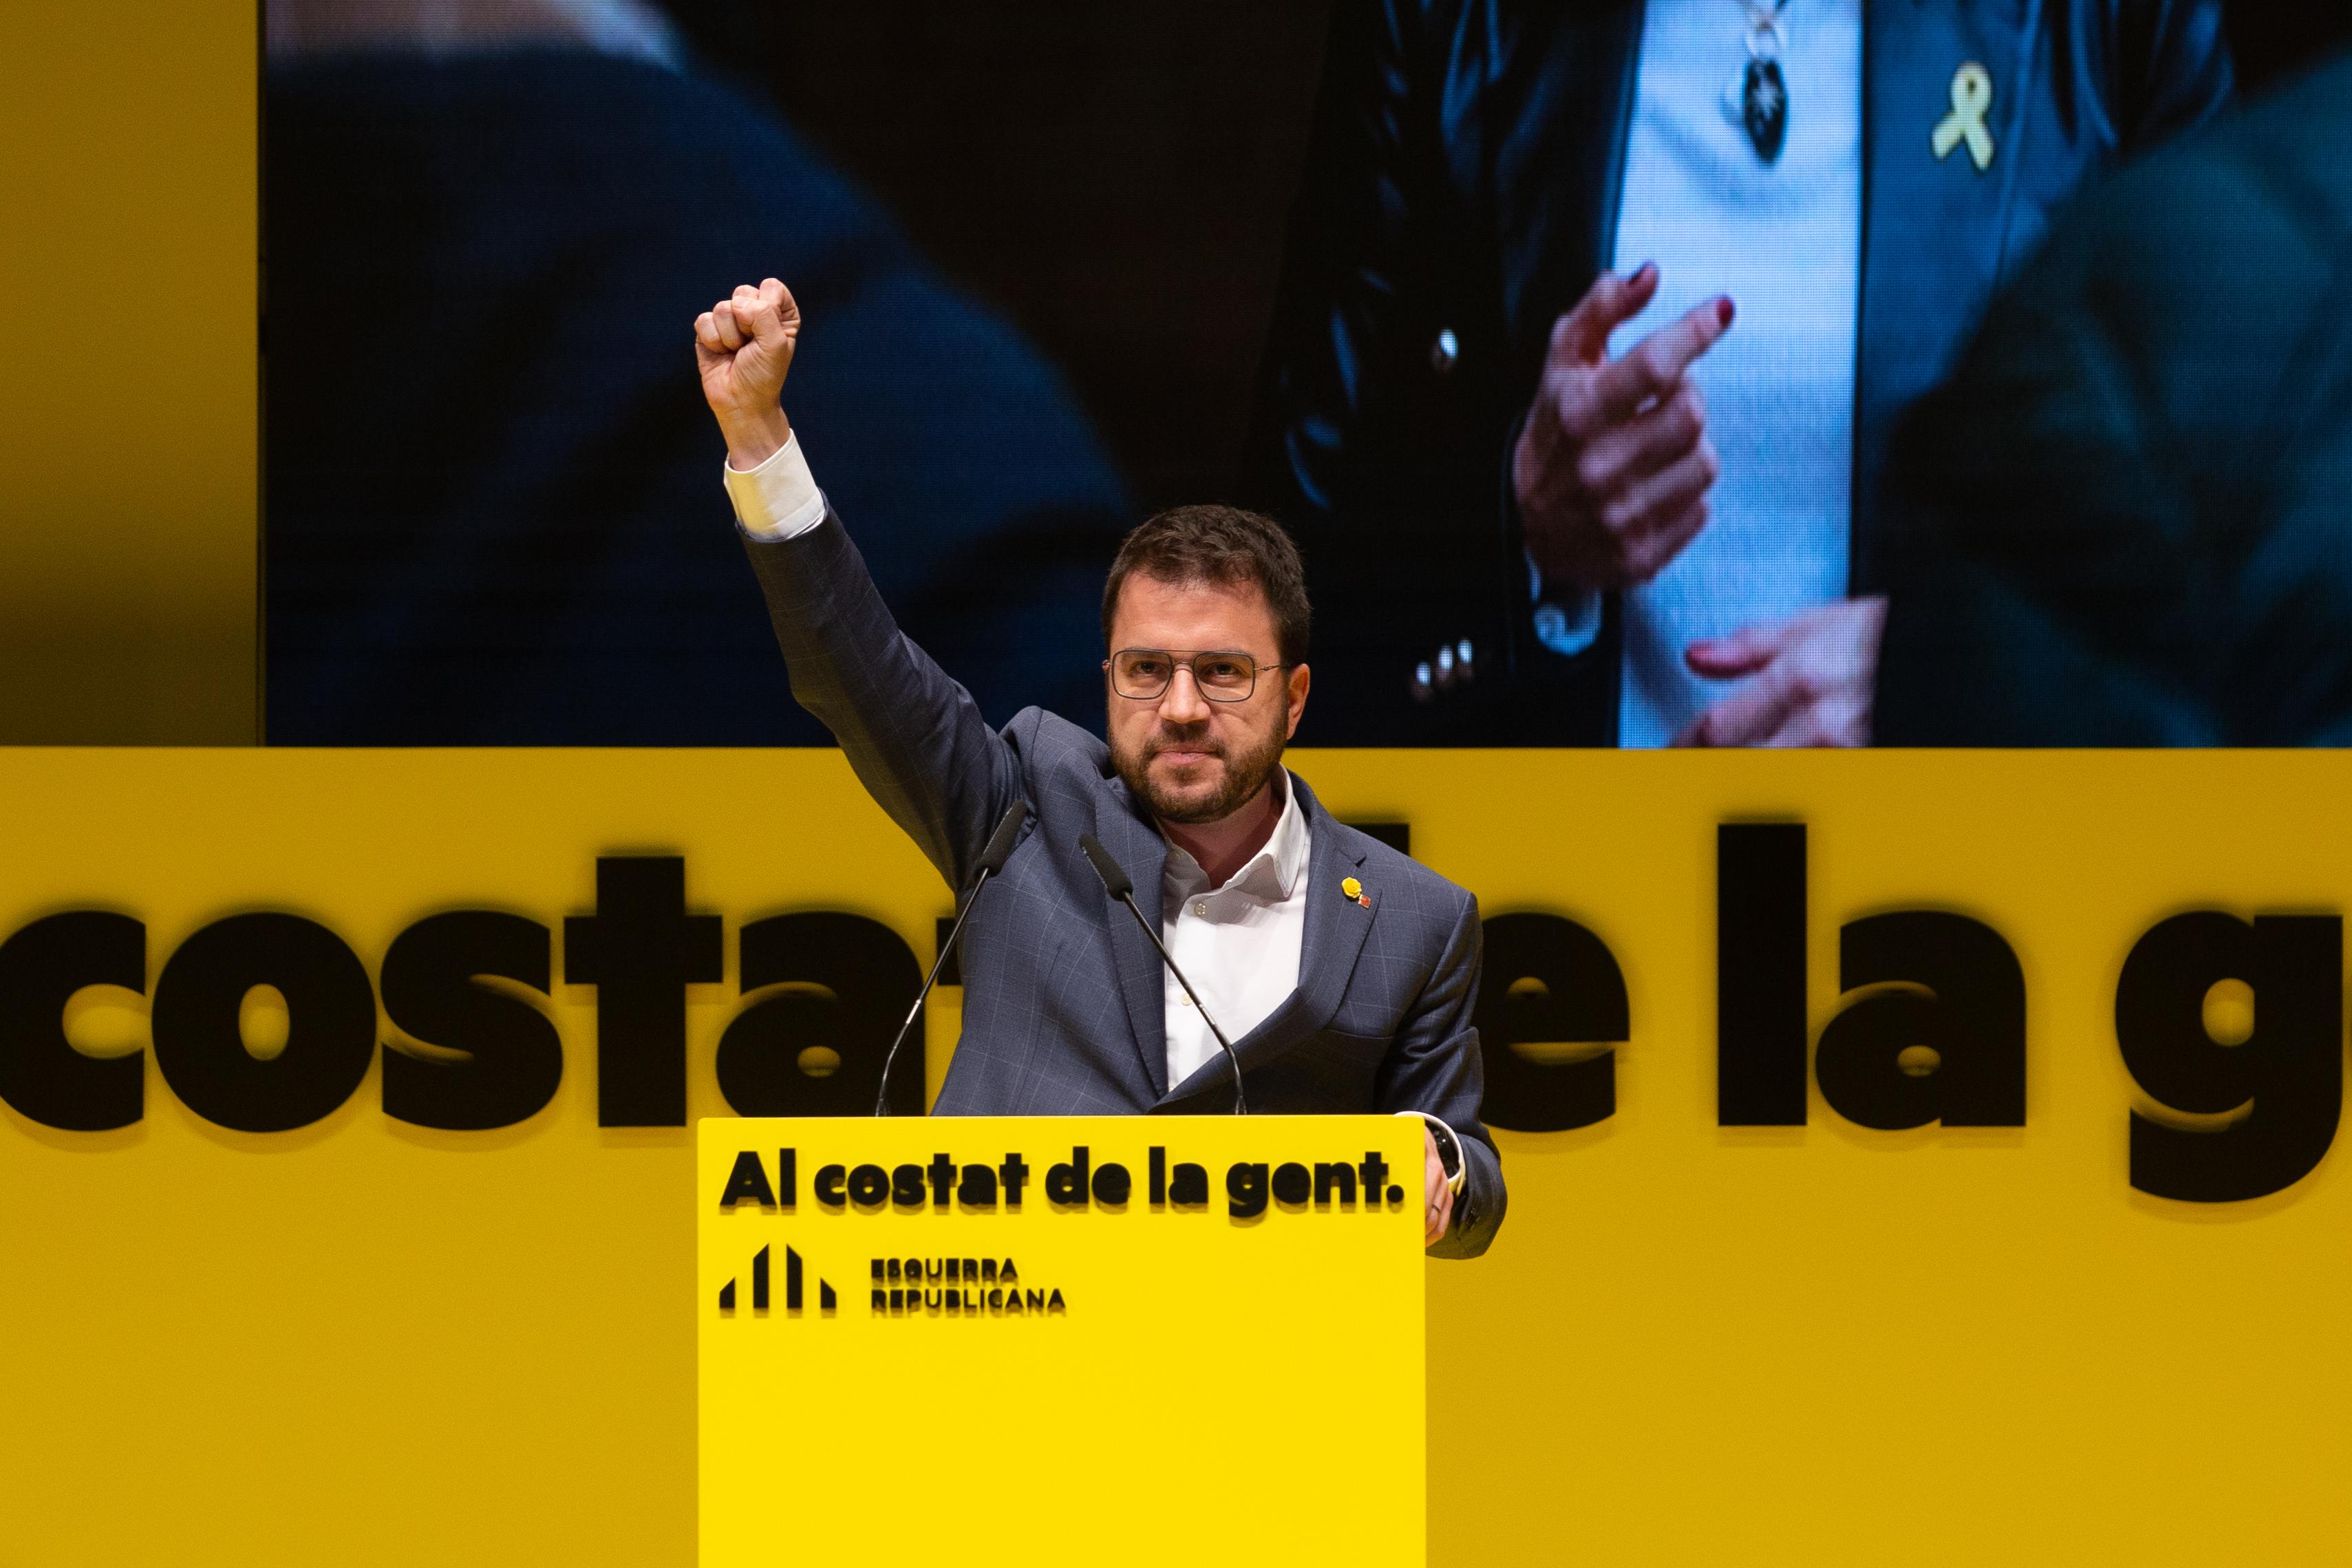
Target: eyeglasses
[(1144, 674)]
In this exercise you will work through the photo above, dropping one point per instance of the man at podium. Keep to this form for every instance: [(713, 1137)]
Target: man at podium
[(1342, 973)]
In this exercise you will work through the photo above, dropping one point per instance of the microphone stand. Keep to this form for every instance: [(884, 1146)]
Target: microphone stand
[(992, 860), (1119, 885)]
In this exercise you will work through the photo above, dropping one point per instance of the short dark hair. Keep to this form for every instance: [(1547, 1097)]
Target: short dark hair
[(1223, 544)]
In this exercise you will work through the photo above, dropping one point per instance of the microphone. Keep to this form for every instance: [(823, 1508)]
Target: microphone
[(998, 850), (1116, 882)]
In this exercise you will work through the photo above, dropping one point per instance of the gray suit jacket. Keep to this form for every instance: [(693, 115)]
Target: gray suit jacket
[(1063, 1007)]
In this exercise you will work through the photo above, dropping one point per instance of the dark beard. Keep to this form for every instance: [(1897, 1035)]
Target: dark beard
[(1245, 775)]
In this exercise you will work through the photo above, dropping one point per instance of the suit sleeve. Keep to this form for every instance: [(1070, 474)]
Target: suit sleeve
[(915, 737), (1433, 1066)]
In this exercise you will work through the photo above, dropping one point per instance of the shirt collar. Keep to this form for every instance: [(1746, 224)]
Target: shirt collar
[(1273, 873)]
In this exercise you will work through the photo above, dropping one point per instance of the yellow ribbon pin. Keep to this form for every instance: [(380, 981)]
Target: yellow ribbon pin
[(1971, 97)]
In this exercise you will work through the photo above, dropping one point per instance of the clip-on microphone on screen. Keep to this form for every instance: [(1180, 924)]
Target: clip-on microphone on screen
[(991, 860), (1116, 882)]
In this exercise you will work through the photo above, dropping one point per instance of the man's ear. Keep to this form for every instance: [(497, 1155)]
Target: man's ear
[(1295, 695)]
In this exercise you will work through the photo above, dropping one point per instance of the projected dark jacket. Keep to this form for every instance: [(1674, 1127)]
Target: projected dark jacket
[(2127, 519), (1462, 188), (493, 515)]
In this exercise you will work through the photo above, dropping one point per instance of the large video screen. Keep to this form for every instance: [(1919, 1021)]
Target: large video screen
[(1734, 373)]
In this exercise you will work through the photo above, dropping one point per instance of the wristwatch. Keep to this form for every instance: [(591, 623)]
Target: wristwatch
[(1449, 1149)]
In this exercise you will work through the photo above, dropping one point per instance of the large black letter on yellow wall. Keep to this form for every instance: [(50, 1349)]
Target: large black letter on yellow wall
[(41, 1074), (1547, 980), (200, 1046), (849, 982), (2288, 1075), (641, 949), (1964, 999), (1759, 967), (514, 1058)]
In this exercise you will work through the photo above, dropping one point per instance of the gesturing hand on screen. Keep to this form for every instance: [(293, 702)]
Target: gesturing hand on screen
[(743, 346), (1815, 676), (1614, 466)]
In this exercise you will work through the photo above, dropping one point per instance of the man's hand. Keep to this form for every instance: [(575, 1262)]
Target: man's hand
[(1613, 465), (1440, 1213), (1814, 674), (743, 346)]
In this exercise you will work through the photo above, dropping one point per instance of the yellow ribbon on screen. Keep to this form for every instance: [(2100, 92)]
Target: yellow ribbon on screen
[(1971, 97)]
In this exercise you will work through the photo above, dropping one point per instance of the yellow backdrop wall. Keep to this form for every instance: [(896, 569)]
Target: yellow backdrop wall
[(130, 317), (363, 1341)]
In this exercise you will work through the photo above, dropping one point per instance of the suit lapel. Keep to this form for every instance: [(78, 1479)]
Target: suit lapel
[(1336, 927), (1142, 853), (1934, 229)]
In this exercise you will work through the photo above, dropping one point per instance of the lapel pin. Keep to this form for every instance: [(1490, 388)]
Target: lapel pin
[(1355, 890), (1971, 97)]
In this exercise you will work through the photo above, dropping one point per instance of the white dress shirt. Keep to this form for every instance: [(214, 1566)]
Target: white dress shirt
[(1784, 240), (1238, 943)]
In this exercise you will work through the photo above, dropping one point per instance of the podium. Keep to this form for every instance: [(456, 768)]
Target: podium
[(1061, 1340)]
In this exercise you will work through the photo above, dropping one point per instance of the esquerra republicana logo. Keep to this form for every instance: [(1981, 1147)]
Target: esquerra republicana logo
[(934, 1287)]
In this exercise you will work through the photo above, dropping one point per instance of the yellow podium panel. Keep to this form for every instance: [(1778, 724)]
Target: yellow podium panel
[(1132, 1340)]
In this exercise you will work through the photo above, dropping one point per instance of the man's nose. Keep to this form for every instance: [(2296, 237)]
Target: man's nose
[(1183, 702)]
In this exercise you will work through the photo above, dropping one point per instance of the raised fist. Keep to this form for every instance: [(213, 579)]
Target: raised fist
[(743, 346)]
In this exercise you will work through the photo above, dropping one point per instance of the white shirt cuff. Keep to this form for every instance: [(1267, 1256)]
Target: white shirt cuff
[(778, 499)]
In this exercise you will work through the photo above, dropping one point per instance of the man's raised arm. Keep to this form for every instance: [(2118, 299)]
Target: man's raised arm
[(915, 737)]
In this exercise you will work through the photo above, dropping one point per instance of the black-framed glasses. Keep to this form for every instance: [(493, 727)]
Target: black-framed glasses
[(1144, 674)]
